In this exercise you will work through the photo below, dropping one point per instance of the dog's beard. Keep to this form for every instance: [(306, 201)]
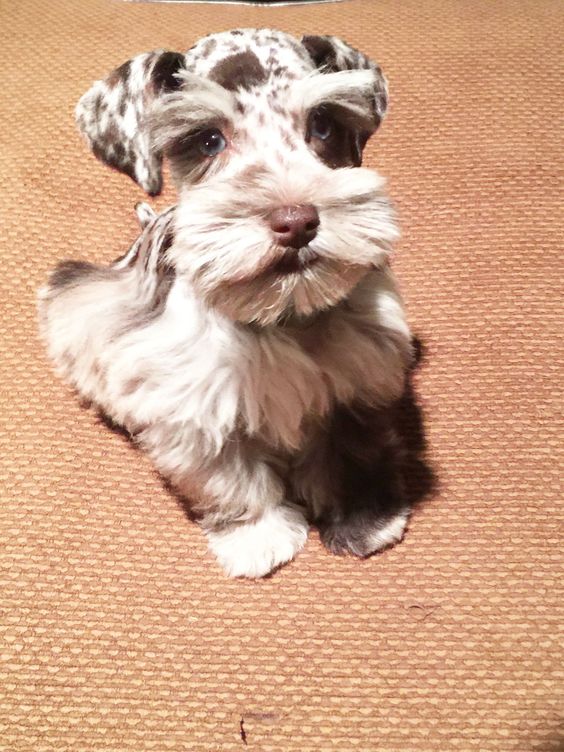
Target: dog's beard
[(273, 297), (224, 245)]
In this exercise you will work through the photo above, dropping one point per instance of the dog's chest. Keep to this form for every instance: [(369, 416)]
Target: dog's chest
[(288, 376), (201, 370)]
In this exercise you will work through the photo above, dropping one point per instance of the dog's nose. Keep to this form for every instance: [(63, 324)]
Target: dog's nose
[(294, 226)]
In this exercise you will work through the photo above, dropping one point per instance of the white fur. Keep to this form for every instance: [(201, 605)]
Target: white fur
[(225, 369), (225, 260), (255, 548), (347, 88), (95, 124), (392, 532)]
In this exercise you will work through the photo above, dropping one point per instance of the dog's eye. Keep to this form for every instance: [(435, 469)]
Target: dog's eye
[(211, 142), (321, 126)]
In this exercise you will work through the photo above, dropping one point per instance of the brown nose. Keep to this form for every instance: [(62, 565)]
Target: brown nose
[(294, 226)]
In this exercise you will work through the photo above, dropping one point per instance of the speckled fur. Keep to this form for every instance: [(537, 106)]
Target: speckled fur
[(248, 387)]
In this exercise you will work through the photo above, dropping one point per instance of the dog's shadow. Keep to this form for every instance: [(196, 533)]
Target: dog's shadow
[(419, 478)]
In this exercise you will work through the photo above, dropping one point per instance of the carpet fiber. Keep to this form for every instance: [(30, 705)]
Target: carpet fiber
[(119, 631)]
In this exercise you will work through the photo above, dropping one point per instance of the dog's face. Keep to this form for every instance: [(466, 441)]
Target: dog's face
[(265, 136)]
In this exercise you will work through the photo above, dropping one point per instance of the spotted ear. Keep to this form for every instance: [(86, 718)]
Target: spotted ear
[(112, 115), (331, 54)]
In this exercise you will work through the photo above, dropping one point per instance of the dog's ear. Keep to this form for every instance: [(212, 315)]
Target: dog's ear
[(331, 54), (112, 115)]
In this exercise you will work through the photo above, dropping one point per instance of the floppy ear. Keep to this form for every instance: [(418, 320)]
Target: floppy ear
[(331, 54), (112, 115)]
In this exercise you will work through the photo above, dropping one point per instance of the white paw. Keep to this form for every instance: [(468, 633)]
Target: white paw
[(390, 533), (254, 549)]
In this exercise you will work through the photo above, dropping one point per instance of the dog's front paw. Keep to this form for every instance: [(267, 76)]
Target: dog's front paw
[(254, 549), (363, 533)]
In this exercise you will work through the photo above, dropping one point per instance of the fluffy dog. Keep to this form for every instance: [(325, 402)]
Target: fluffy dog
[(252, 339)]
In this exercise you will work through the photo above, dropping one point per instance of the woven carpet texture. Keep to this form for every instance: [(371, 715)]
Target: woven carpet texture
[(119, 632)]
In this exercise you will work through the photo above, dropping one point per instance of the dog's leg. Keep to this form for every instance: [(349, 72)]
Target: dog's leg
[(351, 477), (255, 548), (251, 529), (237, 497)]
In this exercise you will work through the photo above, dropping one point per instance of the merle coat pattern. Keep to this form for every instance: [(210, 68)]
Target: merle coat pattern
[(252, 339)]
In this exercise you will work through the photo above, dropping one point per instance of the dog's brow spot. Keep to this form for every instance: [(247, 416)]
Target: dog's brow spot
[(322, 51), (240, 71), (164, 69)]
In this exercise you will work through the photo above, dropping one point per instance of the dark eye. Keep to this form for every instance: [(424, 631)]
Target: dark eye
[(321, 126), (211, 142)]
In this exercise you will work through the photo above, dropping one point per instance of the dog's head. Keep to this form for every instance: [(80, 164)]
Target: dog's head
[(265, 135)]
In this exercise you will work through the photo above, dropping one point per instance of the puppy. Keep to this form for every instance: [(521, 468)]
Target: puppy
[(252, 340)]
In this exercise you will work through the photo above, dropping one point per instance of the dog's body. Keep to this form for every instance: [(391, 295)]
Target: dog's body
[(252, 338)]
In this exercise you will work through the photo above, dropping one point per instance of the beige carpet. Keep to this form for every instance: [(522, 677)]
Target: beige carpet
[(119, 632)]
